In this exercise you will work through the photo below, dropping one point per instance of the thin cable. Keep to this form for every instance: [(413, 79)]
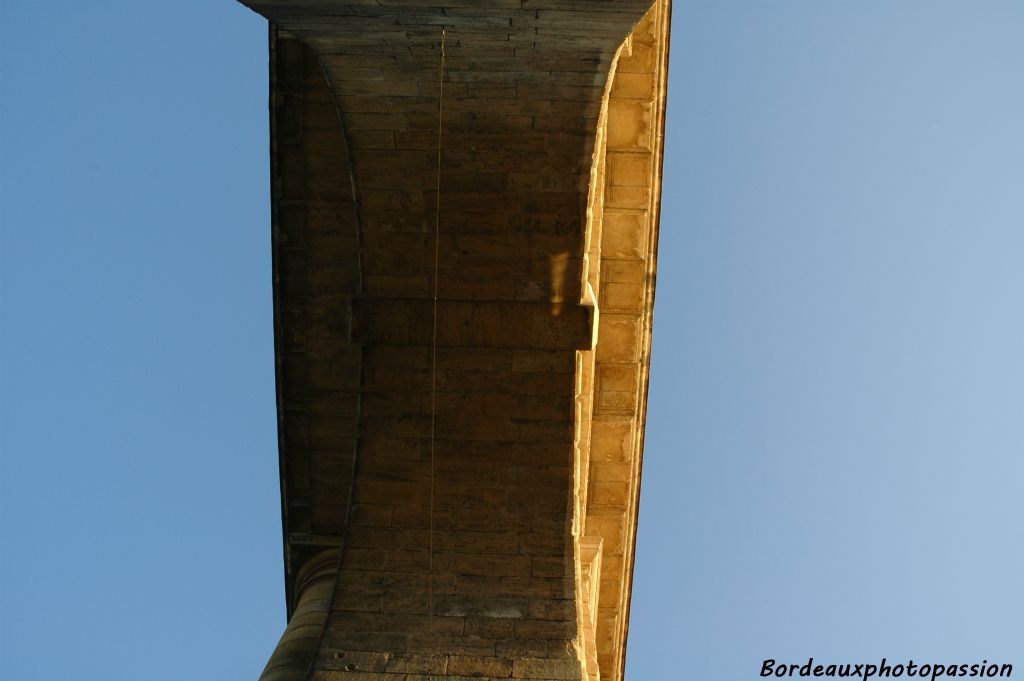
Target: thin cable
[(433, 354)]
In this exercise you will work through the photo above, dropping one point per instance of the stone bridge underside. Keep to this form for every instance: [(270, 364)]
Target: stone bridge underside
[(469, 510)]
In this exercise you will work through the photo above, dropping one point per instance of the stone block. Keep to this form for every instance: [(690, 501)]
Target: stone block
[(539, 668), (629, 125)]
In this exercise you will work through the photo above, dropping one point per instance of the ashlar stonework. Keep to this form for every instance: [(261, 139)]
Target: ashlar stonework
[(460, 476)]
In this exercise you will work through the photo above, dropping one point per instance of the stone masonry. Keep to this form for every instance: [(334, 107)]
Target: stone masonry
[(460, 474)]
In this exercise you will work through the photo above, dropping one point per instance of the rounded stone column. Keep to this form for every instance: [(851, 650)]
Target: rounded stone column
[(299, 642)]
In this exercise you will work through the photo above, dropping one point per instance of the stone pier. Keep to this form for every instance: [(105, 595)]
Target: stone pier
[(464, 261)]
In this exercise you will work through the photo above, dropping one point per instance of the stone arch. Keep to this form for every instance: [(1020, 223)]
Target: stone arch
[(452, 491)]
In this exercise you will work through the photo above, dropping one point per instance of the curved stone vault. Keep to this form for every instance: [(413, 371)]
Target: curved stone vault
[(460, 478)]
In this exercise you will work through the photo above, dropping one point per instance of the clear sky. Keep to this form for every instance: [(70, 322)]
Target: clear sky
[(836, 425)]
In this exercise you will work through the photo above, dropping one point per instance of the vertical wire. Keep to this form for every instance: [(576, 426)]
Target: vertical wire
[(433, 352)]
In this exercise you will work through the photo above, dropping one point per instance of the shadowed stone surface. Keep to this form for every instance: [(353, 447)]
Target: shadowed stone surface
[(494, 540)]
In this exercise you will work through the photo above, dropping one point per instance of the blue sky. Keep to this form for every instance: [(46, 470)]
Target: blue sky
[(836, 425)]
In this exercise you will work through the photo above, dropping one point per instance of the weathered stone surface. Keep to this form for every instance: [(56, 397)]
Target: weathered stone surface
[(464, 266)]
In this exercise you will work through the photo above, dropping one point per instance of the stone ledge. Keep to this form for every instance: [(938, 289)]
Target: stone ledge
[(472, 323)]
